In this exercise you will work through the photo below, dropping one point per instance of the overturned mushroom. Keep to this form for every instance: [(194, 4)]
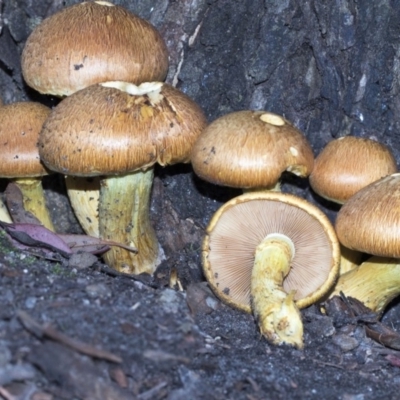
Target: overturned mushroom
[(271, 253)]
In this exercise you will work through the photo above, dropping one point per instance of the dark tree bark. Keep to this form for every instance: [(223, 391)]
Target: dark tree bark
[(331, 67)]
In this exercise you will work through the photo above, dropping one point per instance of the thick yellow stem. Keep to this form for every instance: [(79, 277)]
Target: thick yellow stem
[(276, 187), (349, 259), (376, 282), (34, 200), (124, 217), (278, 317), (84, 195), (4, 214)]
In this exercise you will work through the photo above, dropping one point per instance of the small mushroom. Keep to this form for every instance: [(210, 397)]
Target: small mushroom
[(4, 214), (118, 131), (250, 150), (345, 166), (369, 222), (348, 164), (271, 253), (19, 131), (92, 42)]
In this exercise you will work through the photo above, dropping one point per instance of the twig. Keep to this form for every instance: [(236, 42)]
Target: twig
[(48, 331), (328, 364), (149, 394), (4, 393)]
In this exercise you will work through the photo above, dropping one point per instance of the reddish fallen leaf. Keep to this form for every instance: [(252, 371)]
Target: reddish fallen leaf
[(37, 236), (393, 360), (91, 244), (15, 206), (27, 232)]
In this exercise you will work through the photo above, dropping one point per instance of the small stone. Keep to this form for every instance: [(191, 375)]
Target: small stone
[(98, 290), (200, 299), (30, 302), (345, 342), (82, 260), (170, 301)]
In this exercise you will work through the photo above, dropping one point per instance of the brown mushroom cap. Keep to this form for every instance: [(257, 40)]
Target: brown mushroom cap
[(242, 223), (248, 149), (348, 164), (19, 131), (369, 221), (117, 127), (92, 42)]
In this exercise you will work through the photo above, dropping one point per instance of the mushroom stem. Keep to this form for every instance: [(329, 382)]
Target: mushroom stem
[(83, 195), (34, 200), (349, 259), (124, 217), (278, 316), (276, 187), (376, 282), (4, 214)]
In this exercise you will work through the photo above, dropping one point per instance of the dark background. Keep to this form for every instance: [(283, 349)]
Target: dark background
[(332, 67)]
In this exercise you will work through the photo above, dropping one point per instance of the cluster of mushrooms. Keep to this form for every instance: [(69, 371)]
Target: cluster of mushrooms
[(265, 252)]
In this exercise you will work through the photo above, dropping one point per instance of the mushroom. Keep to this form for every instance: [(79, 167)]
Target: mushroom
[(250, 150), (271, 253), (345, 166), (369, 222), (98, 42), (92, 42), (118, 131), (83, 194), (4, 214), (348, 164), (19, 131)]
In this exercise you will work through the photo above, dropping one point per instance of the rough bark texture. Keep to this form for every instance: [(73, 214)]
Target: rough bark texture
[(331, 67)]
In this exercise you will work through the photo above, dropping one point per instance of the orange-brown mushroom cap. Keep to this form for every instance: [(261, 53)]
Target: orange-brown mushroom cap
[(19, 132), (92, 42), (242, 223), (369, 221), (105, 130), (251, 149), (348, 164)]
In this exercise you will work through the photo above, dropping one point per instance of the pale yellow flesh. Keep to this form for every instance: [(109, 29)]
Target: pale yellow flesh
[(376, 282), (34, 200), (4, 214), (278, 317), (124, 217), (349, 259), (84, 195)]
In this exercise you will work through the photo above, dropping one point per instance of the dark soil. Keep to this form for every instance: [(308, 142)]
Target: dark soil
[(164, 343), (71, 329)]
